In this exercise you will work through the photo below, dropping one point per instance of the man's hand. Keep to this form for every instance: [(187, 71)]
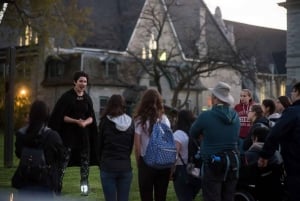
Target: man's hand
[(262, 162)]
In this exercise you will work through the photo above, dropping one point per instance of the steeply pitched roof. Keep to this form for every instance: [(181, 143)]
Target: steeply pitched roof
[(114, 22), (267, 45), (188, 18)]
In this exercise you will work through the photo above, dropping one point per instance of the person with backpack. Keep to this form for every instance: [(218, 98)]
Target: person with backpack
[(151, 180), (219, 131), (73, 117), (41, 152), (186, 186), (115, 144)]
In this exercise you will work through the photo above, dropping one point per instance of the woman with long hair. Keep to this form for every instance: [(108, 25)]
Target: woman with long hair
[(149, 110), (115, 143), (186, 187), (242, 108), (37, 135)]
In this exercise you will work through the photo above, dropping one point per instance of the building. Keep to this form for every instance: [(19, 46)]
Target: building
[(130, 37), (293, 42)]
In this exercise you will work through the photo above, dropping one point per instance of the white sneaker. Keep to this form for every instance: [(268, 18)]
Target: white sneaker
[(84, 189)]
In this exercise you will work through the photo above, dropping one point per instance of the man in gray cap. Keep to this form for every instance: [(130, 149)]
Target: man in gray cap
[(218, 129)]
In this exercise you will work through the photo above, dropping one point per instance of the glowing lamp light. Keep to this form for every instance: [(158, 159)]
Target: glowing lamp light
[(23, 92)]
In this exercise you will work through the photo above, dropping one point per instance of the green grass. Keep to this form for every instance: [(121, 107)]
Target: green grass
[(71, 189)]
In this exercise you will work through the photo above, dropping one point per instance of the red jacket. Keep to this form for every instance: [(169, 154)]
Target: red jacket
[(242, 110)]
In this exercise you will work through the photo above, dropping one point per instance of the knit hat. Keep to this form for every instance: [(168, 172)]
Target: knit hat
[(285, 101)]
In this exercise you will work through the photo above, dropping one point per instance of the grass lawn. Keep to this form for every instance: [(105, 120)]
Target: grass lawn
[(71, 189)]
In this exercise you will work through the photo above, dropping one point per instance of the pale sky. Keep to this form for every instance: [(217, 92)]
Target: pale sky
[(266, 13)]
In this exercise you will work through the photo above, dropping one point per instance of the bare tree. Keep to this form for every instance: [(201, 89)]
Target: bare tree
[(203, 55)]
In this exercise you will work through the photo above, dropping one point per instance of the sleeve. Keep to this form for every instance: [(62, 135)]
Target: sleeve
[(166, 120), (282, 128), (138, 127), (99, 144), (247, 142), (56, 119), (178, 137), (196, 128)]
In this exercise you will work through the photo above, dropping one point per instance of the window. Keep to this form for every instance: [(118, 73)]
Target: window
[(55, 68), (111, 68), (28, 37), (102, 103)]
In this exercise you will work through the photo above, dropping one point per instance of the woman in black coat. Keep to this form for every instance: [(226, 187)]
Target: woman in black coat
[(37, 135), (74, 118)]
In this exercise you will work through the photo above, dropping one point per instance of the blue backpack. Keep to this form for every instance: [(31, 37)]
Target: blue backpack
[(161, 150)]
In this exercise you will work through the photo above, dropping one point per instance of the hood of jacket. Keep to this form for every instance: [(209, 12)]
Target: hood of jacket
[(122, 122), (225, 113)]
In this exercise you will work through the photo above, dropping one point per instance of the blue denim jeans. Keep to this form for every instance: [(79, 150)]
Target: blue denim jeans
[(116, 185)]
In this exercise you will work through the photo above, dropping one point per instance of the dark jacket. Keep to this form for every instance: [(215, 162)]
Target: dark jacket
[(220, 128), (286, 133), (72, 135), (267, 180), (115, 143), (54, 154), (260, 122)]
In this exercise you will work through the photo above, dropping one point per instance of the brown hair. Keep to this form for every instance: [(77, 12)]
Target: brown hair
[(116, 106), (285, 101), (258, 110), (149, 108)]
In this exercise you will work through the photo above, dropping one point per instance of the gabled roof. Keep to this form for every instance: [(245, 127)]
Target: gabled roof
[(114, 22), (188, 17), (267, 45)]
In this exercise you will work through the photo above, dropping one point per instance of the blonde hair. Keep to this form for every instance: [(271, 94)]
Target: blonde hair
[(248, 92)]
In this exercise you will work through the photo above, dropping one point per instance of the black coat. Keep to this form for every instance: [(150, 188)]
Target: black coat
[(54, 154), (114, 146), (72, 135)]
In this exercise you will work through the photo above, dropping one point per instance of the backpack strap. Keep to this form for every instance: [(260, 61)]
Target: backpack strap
[(45, 135)]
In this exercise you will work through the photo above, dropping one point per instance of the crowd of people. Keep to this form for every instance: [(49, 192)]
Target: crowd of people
[(224, 143)]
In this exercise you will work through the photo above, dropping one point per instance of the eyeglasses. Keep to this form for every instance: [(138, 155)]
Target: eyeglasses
[(251, 111)]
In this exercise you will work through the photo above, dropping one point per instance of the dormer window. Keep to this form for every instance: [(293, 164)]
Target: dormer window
[(55, 67), (111, 67)]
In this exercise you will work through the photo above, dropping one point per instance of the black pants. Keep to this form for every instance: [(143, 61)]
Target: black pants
[(152, 181), (84, 165)]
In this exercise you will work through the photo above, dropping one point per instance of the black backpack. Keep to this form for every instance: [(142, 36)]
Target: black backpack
[(33, 166)]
